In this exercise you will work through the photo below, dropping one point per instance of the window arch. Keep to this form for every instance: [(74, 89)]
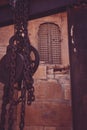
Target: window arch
[(49, 43)]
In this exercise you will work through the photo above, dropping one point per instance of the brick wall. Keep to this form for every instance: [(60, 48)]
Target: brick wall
[(52, 107)]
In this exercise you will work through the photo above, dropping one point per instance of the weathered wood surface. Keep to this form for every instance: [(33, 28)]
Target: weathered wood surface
[(38, 8)]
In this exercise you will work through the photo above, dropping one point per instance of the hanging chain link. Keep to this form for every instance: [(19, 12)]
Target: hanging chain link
[(23, 97), (12, 82), (19, 44), (8, 95), (24, 43)]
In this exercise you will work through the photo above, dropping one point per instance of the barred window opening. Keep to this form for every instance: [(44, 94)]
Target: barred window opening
[(50, 43)]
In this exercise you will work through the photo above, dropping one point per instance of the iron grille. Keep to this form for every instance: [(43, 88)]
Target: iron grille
[(50, 43)]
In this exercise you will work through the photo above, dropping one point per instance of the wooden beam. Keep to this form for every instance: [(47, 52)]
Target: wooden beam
[(3, 2), (38, 8)]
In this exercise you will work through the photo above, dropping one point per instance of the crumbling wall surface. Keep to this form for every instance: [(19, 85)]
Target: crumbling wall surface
[(51, 109)]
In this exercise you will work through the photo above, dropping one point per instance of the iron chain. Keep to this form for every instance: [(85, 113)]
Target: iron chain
[(19, 44)]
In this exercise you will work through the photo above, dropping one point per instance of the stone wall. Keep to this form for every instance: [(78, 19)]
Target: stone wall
[(51, 109)]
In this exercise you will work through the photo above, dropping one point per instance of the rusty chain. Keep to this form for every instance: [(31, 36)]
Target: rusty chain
[(19, 44), (12, 82), (8, 95)]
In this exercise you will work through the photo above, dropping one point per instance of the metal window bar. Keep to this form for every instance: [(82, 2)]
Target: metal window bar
[(50, 43)]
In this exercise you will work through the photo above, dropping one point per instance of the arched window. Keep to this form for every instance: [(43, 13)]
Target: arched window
[(50, 43)]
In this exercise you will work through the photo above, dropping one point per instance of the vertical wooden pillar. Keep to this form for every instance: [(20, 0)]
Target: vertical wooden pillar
[(77, 20)]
